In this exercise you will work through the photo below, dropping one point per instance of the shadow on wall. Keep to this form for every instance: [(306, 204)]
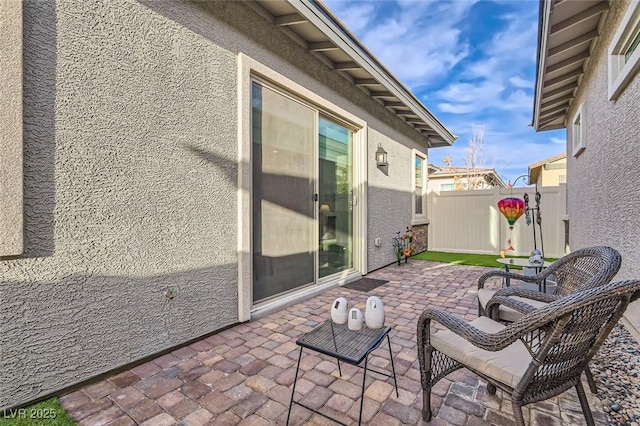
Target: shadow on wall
[(39, 127), (58, 333)]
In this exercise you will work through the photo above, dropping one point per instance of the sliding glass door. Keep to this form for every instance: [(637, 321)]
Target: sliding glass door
[(336, 198), (302, 195)]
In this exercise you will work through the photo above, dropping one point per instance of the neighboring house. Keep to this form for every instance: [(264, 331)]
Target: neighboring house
[(588, 83), (549, 172), (172, 168), (462, 178)]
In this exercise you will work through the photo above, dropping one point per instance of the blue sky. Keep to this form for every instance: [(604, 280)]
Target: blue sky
[(471, 63)]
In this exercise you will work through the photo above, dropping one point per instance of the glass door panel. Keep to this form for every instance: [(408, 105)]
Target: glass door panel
[(335, 177), (284, 135)]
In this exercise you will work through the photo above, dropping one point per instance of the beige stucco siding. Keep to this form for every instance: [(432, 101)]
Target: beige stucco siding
[(11, 152), (602, 183), (130, 181), (390, 197)]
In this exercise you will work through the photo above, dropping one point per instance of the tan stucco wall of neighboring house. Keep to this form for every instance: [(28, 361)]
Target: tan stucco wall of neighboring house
[(130, 181), (435, 184), (603, 189), (553, 176)]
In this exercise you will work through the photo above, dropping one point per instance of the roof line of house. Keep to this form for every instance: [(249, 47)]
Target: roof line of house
[(456, 171), (547, 160), (322, 18)]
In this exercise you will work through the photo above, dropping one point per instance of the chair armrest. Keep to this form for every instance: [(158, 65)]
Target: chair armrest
[(541, 276), (502, 297), (493, 306), (527, 293), (488, 341)]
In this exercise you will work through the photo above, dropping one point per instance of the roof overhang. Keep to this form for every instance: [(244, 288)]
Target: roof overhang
[(313, 26), (567, 30)]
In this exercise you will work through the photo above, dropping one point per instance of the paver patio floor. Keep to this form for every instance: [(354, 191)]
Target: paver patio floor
[(244, 375)]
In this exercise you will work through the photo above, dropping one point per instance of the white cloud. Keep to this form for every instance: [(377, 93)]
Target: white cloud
[(470, 92), (518, 81), (488, 83), (495, 81), (354, 15), (416, 40), (456, 108)]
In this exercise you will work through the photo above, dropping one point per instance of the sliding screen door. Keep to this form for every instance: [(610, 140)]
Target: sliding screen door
[(284, 136)]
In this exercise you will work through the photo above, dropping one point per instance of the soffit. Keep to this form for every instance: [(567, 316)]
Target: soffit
[(567, 31), (313, 26)]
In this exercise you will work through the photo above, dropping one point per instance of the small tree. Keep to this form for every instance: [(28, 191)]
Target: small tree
[(474, 158)]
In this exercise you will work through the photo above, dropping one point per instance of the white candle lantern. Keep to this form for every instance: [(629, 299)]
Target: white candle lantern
[(355, 319), (374, 313), (339, 311)]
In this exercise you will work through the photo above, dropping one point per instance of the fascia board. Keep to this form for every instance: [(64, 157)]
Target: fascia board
[(545, 20), (314, 13)]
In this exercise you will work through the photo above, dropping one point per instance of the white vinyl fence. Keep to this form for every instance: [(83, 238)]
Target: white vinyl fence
[(470, 222)]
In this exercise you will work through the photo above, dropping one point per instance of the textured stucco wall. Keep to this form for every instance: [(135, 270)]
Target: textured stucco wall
[(603, 189), (390, 197), (130, 188), (130, 181), (11, 223)]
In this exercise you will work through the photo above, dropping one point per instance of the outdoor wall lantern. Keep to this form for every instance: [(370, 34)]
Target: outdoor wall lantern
[(381, 156)]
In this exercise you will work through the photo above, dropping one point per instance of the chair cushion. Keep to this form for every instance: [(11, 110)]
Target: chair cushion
[(506, 366), (506, 313)]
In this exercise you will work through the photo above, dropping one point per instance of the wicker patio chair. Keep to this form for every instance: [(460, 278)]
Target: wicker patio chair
[(579, 270), (583, 269), (535, 358)]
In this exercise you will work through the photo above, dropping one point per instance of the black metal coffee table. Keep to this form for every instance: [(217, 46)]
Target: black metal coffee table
[(352, 347)]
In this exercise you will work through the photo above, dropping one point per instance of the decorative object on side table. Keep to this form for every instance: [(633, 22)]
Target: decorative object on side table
[(339, 310), (355, 319), (374, 314), (536, 258), (403, 245)]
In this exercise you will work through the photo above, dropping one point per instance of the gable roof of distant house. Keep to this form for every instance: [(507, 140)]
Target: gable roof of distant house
[(312, 25), (536, 168), (566, 32), (490, 174)]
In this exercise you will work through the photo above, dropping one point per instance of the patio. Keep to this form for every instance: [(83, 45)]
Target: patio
[(243, 375)]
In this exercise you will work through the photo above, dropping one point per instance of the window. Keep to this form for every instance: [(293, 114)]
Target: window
[(447, 186), (624, 53), (577, 132), (419, 180)]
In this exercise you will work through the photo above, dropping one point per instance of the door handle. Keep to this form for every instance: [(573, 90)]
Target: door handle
[(315, 197)]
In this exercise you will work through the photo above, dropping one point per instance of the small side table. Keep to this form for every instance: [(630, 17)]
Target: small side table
[(352, 347), (524, 263)]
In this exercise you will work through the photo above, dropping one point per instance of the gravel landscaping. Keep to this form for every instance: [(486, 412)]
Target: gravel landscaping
[(616, 369)]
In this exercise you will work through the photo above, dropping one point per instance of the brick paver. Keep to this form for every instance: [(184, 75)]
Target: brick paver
[(244, 375)]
